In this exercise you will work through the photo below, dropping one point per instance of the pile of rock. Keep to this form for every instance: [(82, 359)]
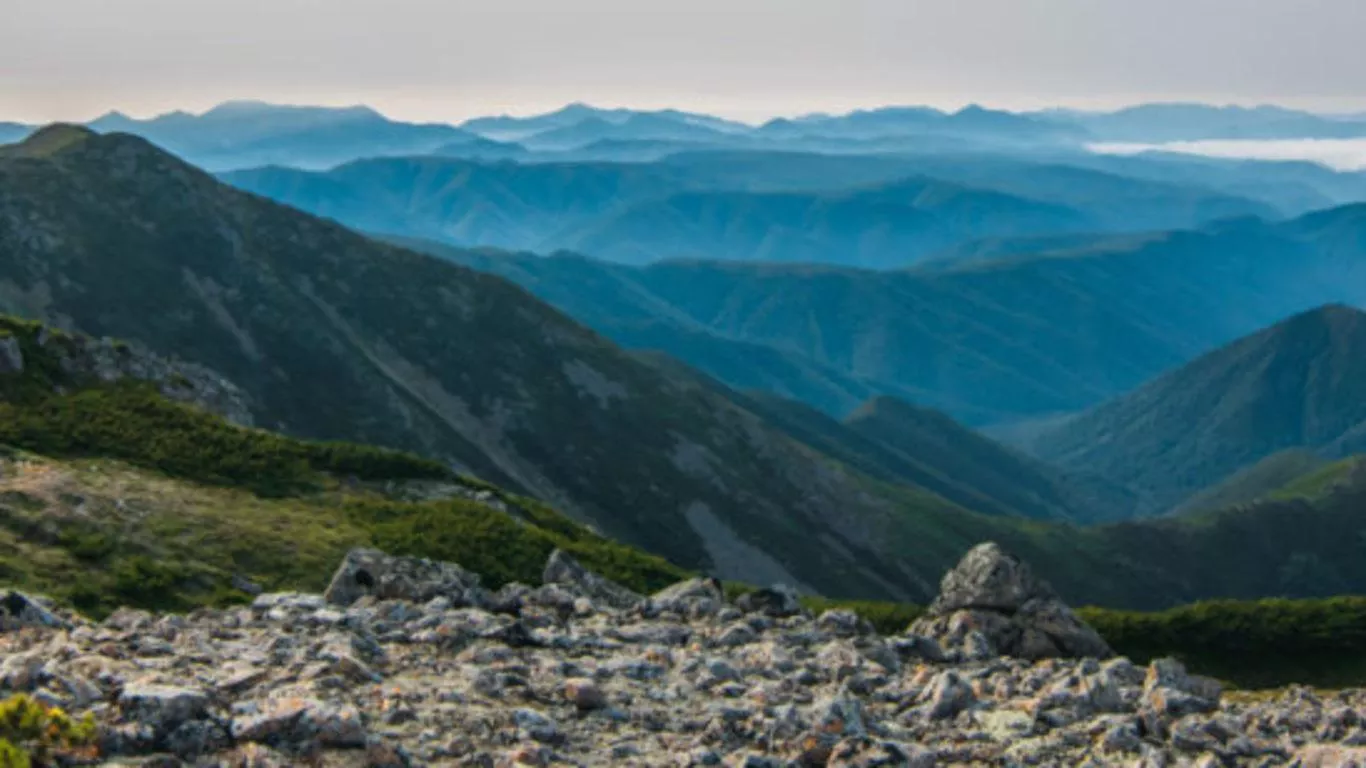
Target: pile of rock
[(410, 662)]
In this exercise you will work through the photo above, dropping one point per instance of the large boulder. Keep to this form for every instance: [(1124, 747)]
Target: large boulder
[(992, 603), (371, 572), (561, 568), (18, 609)]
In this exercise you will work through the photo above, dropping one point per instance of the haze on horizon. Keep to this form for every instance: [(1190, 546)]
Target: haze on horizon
[(746, 59)]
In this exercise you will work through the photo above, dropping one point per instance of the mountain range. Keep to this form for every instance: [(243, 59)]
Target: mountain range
[(333, 335), (740, 206), (1025, 332)]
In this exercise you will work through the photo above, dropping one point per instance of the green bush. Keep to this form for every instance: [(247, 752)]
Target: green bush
[(1249, 643), (131, 421), (499, 548), (34, 734)]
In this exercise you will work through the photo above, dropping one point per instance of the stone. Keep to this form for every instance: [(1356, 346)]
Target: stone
[(584, 694), (371, 572), (295, 722), (18, 609), (844, 623), (948, 695), (162, 707), (693, 598), (778, 601), (992, 603), (987, 578), (563, 569)]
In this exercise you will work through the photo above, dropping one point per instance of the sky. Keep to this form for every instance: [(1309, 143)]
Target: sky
[(447, 60)]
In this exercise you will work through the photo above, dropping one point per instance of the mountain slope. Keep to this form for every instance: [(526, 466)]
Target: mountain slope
[(970, 469), (339, 337), (1297, 384), (1031, 334)]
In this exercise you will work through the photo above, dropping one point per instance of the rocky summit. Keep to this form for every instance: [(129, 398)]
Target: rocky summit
[(412, 662)]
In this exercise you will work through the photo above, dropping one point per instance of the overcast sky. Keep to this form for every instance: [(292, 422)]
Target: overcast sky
[(451, 59)]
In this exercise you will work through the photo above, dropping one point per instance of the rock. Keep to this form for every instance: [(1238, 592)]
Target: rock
[(298, 723), (987, 578), (693, 598), (584, 694), (844, 623), (21, 610), (1329, 756), (162, 707), (563, 569), (778, 601), (992, 603), (11, 356), (948, 695), (372, 572), (1170, 693)]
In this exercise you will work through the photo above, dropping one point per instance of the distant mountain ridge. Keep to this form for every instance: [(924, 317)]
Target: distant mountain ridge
[(247, 134), (742, 206), (987, 341)]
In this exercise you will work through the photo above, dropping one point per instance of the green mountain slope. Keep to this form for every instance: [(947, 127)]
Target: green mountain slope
[(1297, 384), (336, 336), (979, 473)]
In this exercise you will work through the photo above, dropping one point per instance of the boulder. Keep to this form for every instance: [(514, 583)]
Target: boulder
[(778, 601), (693, 598), (22, 610), (371, 572), (561, 568), (993, 603)]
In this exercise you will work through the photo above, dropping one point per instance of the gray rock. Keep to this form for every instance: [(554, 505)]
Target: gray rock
[(563, 569), (693, 598), (162, 707), (989, 578), (779, 601), (22, 610), (948, 695), (372, 572), (992, 603)]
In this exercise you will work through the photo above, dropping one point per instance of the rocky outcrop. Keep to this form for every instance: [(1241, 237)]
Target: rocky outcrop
[(563, 569), (370, 572), (409, 671), (991, 604)]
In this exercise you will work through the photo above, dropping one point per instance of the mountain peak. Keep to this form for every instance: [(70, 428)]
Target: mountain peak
[(55, 138)]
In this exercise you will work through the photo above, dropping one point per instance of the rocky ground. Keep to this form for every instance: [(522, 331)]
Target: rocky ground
[(406, 662)]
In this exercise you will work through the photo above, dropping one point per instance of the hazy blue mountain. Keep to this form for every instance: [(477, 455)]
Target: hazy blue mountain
[(761, 206), (11, 132), (521, 128), (1034, 333), (974, 122), (1298, 384), (1189, 122), (245, 134), (475, 147), (636, 127), (886, 226)]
